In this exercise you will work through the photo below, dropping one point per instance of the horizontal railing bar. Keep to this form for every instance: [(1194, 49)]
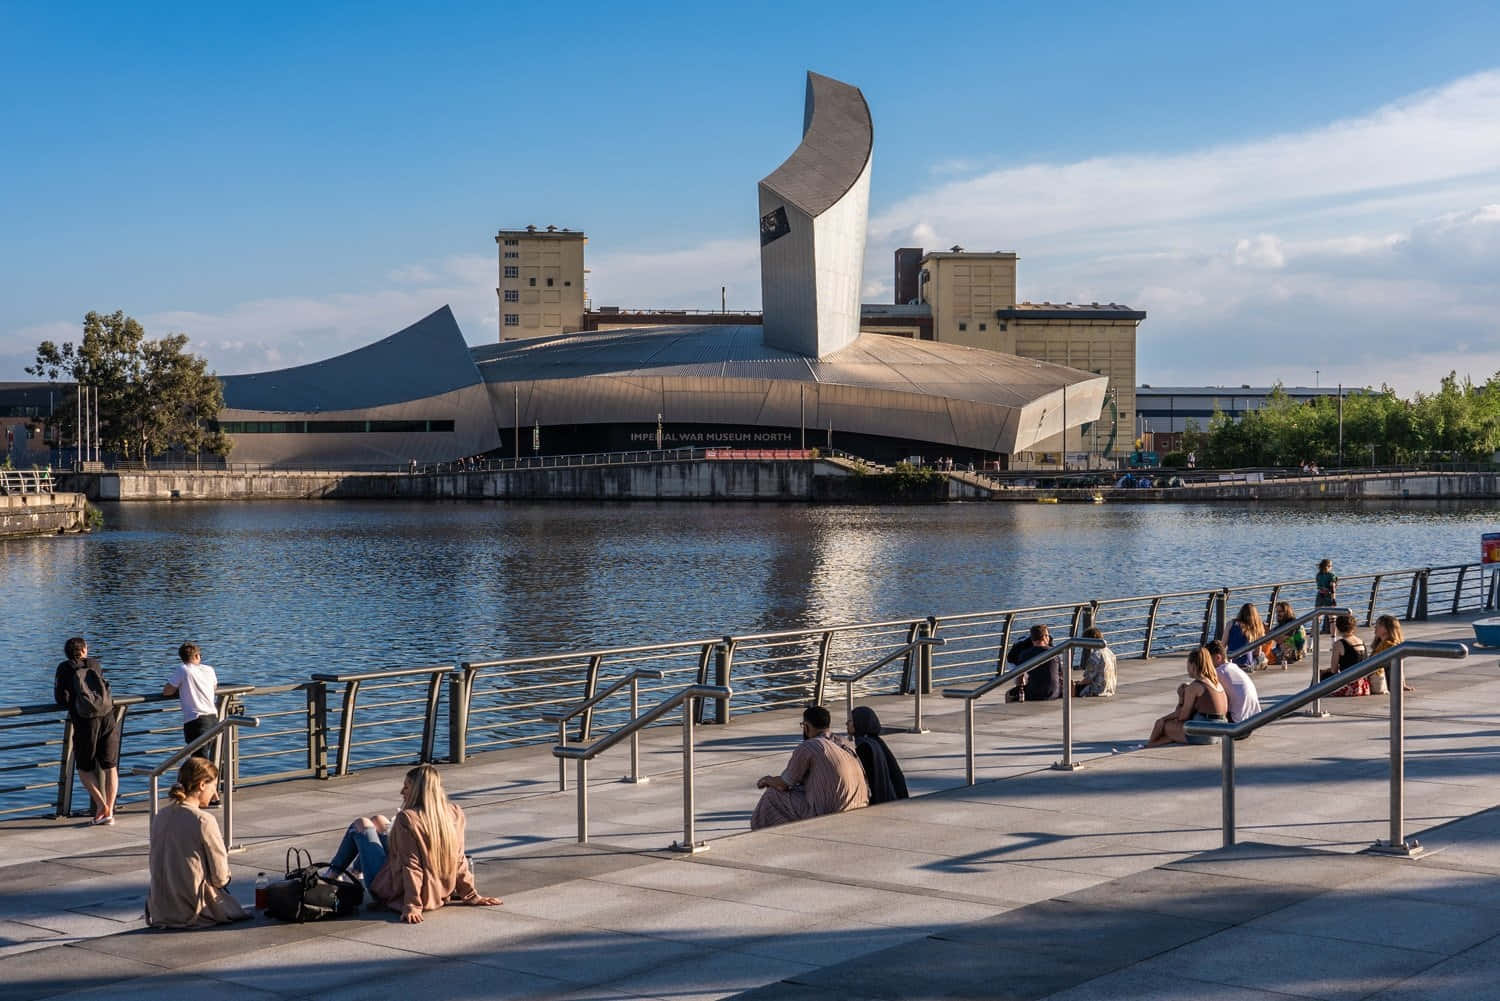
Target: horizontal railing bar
[(587, 752), (377, 675)]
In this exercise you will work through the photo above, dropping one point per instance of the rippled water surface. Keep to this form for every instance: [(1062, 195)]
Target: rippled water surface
[(274, 591)]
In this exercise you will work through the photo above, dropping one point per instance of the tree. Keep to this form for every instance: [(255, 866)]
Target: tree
[(153, 396)]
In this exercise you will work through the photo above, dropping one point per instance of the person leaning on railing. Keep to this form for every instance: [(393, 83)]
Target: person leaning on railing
[(189, 867), (415, 863)]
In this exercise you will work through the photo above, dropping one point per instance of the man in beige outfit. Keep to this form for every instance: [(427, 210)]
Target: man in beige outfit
[(823, 776)]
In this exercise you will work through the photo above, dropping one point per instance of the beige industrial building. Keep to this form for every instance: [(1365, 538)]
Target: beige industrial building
[(973, 301), (541, 289)]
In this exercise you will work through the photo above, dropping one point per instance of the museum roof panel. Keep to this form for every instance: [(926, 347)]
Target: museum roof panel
[(873, 361), (837, 136), (428, 358)]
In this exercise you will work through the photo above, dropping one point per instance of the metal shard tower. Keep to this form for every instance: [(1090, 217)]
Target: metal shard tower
[(814, 210)]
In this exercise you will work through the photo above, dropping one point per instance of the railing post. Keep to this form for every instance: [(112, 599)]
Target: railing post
[(924, 681), (1067, 764), (1398, 845), (910, 664), (65, 771), (1374, 590), (429, 721), (1315, 708), (1227, 809), (1150, 627), (459, 687), (1271, 605), (969, 741), (317, 729), (689, 843), (635, 737), (820, 678), (723, 661), (231, 744), (1221, 621), (346, 728), (1458, 589), (583, 801), (590, 686), (1208, 618), (1421, 610), (1010, 619), (562, 763)]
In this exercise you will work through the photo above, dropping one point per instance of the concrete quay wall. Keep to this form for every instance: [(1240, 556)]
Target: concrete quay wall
[(760, 480), (1352, 486), (42, 514)]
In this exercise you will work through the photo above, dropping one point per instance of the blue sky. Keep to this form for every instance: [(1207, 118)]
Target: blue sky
[(1311, 188)]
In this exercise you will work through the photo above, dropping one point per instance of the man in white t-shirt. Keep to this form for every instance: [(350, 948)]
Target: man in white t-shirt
[(195, 683), (1244, 700)]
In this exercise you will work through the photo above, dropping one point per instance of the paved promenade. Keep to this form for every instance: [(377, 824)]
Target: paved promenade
[(1103, 883)]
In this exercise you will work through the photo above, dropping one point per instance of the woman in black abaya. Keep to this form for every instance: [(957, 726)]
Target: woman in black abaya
[(882, 770)]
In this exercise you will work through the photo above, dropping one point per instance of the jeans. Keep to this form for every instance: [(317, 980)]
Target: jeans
[(366, 844)]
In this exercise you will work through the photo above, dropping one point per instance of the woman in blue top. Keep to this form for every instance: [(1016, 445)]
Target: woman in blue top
[(1243, 632)]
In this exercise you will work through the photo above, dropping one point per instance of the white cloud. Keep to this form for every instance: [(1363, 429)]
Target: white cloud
[(1366, 247), (1262, 252)]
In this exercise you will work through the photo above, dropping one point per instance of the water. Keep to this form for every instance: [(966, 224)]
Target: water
[(276, 591)]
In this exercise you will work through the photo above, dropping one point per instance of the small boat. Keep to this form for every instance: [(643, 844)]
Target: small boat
[(1046, 500)]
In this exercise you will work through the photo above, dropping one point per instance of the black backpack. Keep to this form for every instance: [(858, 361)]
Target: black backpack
[(88, 690), (307, 895)]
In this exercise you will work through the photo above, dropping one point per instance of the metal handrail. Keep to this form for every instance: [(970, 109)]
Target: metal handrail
[(229, 725), (583, 754), (633, 679), (1229, 733), (1291, 626), (972, 695), (848, 680), (352, 682)]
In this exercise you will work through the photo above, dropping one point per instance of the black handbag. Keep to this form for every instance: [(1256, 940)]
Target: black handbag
[(307, 895)]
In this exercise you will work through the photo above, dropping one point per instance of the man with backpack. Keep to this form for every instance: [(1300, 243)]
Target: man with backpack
[(81, 688)]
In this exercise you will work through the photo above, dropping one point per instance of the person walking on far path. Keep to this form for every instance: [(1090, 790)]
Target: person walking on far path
[(80, 687), (195, 683)]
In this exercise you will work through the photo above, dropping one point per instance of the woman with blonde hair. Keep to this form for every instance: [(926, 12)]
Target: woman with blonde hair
[(1201, 698), (1244, 631), (189, 868), (416, 862), (1387, 634)]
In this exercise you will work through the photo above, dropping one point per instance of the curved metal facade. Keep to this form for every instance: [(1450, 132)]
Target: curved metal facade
[(879, 386), (365, 407), (814, 213)]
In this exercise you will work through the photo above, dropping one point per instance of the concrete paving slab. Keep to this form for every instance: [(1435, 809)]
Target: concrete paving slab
[(1303, 965), (1361, 913), (1158, 985), (1469, 976), (45, 973)]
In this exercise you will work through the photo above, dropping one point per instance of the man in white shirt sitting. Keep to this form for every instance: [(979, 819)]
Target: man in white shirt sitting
[(1244, 700), (196, 684)]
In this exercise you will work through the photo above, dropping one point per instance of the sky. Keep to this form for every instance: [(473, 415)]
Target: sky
[(1293, 192)]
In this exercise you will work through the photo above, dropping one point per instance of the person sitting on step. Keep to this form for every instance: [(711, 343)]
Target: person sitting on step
[(1201, 698), (415, 863), (823, 776)]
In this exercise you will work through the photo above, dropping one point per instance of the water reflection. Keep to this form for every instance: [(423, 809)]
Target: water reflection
[(275, 591)]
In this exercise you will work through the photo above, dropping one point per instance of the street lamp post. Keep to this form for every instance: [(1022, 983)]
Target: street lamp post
[(658, 432), (1341, 425)]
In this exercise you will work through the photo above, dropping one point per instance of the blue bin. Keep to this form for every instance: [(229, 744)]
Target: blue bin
[(1487, 632)]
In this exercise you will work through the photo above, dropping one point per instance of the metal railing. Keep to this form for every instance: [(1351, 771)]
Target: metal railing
[(973, 695), (229, 727), (1390, 659), (584, 754), (26, 481), (312, 729), (382, 681), (922, 646), (633, 679)]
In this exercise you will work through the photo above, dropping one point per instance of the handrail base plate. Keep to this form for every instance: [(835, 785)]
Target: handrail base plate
[(688, 849), (1067, 766), (1410, 849), (635, 780)]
